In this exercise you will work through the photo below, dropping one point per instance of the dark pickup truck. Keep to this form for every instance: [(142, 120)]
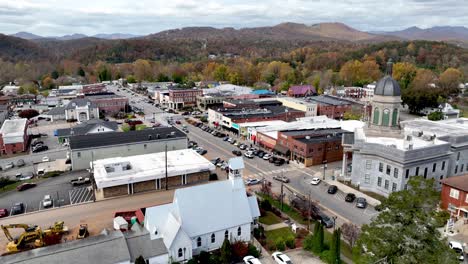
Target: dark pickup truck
[(80, 181)]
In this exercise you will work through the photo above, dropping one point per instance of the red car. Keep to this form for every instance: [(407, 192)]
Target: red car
[(178, 122), (25, 186), (3, 212)]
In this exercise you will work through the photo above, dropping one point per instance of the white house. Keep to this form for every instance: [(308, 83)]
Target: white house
[(201, 217), (81, 109)]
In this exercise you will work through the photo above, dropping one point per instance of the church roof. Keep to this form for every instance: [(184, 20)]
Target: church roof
[(387, 86)]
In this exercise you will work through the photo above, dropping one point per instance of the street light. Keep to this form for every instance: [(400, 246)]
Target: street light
[(324, 168), (334, 222)]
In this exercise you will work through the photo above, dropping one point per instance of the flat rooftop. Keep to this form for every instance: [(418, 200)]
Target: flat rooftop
[(13, 127), (458, 126), (265, 111), (124, 170), (118, 138), (263, 123), (327, 100)]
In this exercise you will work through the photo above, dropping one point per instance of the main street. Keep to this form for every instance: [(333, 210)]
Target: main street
[(299, 178)]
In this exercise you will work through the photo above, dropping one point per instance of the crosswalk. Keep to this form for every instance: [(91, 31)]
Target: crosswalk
[(271, 173)]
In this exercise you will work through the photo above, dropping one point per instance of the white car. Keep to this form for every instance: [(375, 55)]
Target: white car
[(251, 260), (252, 181), (267, 156), (47, 201), (249, 155), (458, 247), (281, 258), (45, 159), (315, 181)]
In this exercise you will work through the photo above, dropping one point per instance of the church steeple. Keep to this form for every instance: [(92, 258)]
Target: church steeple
[(389, 70)]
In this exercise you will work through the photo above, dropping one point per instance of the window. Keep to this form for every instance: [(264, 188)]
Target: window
[(466, 199), (454, 193), (213, 238), (417, 171), (367, 178), (443, 165), (386, 184), (434, 166), (461, 168), (394, 186), (226, 235), (368, 164), (425, 173), (456, 169), (389, 169), (180, 253), (199, 242), (379, 181), (458, 156), (407, 174), (145, 146), (78, 154), (239, 231), (380, 166), (395, 172)]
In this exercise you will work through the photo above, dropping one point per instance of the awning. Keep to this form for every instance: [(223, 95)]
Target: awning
[(281, 149)]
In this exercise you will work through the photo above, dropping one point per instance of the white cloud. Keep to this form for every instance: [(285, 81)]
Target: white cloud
[(57, 17)]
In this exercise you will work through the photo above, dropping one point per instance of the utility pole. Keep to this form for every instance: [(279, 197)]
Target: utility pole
[(281, 195), (324, 168), (309, 214), (165, 157)]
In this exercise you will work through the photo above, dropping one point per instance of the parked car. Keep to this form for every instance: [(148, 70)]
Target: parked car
[(249, 155), (233, 142), (25, 186), (350, 197), (18, 208), (40, 148), (3, 212), (361, 202), (279, 162), (251, 260), (281, 258), (225, 138), (332, 189), (45, 159), (272, 159), (325, 220), (47, 201), (9, 165), (202, 151), (26, 176), (261, 153), (20, 163), (315, 181), (242, 146), (237, 152), (36, 142), (266, 156), (281, 178), (457, 247), (252, 181), (80, 181), (178, 122)]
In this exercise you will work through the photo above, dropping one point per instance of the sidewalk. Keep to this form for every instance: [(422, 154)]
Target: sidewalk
[(275, 226)]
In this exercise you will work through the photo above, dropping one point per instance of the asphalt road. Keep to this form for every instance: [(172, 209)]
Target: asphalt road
[(299, 178), (58, 187)]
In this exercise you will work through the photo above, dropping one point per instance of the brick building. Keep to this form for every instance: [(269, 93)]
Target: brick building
[(13, 136), (108, 103), (180, 98), (330, 106), (454, 195), (94, 88), (301, 91), (135, 174), (311, 147)]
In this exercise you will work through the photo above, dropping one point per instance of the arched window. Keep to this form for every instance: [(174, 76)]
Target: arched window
[(239, 231), (395, 117), (386, 117), (376, 116), (213, 238), (226, 235), (179, 253), (199, 242)]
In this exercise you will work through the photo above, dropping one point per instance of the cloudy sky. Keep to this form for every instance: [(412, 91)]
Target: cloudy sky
[(60, 17)]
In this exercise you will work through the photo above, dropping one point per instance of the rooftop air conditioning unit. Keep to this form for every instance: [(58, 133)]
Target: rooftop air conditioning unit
[(307, 137)]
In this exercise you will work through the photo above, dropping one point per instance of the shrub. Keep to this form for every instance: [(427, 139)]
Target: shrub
[(28, 113), (280, 245), (265, 205), (291, 242), (204, 257), (326, 256), (239, 250), (253, 251), (52, 174), (191, 261), (308, 242)]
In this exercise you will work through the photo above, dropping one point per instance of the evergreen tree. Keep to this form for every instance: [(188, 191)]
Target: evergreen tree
[(140, 260), (81, 72), (335, 247), (318, 246), (226, 252)]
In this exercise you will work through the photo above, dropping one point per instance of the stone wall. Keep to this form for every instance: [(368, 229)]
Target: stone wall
[(115, 191), (144, 186), (198, 177)]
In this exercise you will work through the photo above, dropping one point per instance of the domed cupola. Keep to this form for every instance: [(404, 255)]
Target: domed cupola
[(387, 86)]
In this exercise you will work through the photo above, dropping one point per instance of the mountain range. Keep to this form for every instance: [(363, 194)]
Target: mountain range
[(31, 36), (322, 31)]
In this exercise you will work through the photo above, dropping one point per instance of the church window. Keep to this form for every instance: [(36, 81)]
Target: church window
[(376, 116)]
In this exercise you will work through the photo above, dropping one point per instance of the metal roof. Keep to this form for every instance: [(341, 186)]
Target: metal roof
[(387, 86), (118, 138)]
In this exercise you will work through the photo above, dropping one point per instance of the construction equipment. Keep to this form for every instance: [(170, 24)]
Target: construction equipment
[(33, 236), (83, 231)]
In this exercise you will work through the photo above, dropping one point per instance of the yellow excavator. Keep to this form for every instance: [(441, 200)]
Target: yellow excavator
[(33, 236)]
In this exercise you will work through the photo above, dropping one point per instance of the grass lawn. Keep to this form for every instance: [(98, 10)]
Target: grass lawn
[(269, 219), (379, 197), (12, 186), (283, 233), (291, 212)]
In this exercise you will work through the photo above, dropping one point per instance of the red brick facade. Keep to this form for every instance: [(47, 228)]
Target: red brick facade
[(333, 111), (109, 105), (285, 116), (9, 149), (454, 198), (188, 97)]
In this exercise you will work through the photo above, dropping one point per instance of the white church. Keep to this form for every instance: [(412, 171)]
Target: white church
[(201, 217)]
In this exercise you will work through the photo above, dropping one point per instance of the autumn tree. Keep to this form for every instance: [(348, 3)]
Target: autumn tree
[(48, 83), (423, 78), (28, 113), (404, 73), (220, 73), (142, 70), (449, 81), (350, 232)]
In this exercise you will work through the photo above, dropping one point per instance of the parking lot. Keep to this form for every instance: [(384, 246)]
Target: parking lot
[(59, 188)]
